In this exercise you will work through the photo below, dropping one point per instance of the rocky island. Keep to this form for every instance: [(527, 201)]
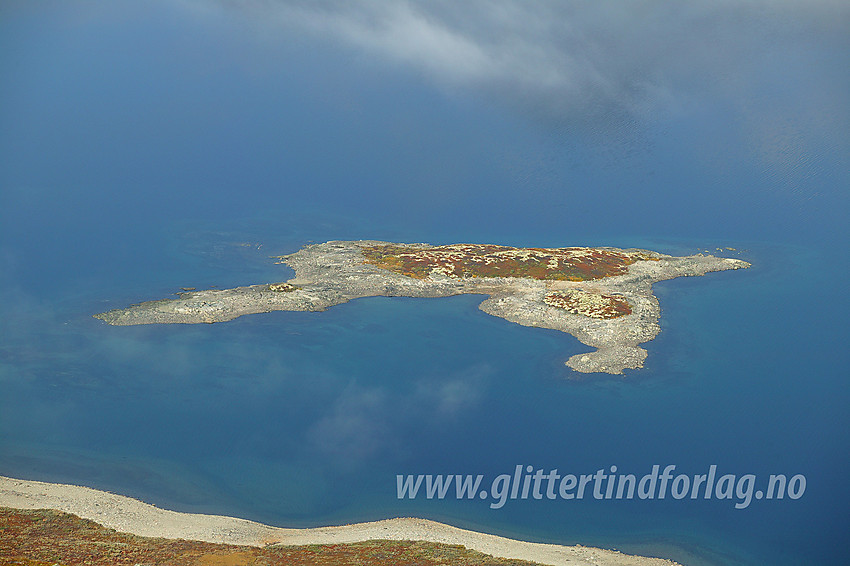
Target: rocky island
[(601, 295)]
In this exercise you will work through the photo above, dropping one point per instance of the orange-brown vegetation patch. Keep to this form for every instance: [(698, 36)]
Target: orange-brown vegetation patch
[(590, 304), (46, 537), (487, 260)]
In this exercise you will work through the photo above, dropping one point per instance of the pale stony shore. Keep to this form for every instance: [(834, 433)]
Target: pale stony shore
[(129, 515)]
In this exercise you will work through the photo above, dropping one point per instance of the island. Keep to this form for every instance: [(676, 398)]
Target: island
[(601, 295)]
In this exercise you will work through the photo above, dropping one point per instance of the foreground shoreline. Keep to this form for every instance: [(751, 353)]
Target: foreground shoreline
[(130, 515)]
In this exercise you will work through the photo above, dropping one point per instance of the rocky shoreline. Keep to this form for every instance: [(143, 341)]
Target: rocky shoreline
[(128, 515), (335, 272)]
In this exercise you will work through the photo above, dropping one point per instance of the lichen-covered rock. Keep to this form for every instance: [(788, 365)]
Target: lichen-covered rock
[(588, 303)]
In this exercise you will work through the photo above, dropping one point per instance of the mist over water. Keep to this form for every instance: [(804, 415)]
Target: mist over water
[(138, 157)]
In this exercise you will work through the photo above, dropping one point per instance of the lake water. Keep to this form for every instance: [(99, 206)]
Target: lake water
[(306, 418)]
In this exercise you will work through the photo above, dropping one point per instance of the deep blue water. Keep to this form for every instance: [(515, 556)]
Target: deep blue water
[(161, 167)]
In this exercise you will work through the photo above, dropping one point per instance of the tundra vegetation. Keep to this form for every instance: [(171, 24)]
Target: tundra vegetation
[(489, 260), (44, 537)]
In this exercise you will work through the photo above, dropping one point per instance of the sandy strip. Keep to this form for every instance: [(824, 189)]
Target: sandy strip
[(133, 516)]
